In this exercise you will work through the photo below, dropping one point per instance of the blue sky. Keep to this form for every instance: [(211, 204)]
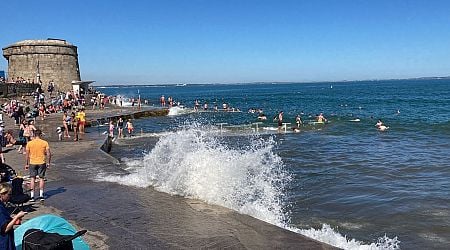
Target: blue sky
[(207, 41)]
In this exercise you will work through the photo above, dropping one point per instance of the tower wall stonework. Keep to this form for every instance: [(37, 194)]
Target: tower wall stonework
[(44, 60)]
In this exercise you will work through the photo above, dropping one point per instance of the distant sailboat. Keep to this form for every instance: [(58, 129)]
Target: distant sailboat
[(331, 86)]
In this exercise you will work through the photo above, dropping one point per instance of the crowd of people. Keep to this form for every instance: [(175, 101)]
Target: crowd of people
[(119, 126), (37, 161), (26, 137), (318, 119), (20, 79)]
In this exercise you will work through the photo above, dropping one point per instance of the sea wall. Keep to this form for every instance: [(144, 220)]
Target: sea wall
[(17, 89), (126, 116)]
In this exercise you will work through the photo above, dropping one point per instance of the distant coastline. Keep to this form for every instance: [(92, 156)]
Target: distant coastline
[(289, 82)]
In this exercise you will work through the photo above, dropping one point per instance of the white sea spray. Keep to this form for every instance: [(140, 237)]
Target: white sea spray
[(195, 162)]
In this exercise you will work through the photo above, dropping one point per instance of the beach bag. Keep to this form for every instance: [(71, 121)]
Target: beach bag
[(36, 239)]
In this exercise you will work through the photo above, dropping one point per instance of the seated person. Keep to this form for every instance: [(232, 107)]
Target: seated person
[(11, 141)]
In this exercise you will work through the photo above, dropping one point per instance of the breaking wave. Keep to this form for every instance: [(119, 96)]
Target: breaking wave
[(251, 179)]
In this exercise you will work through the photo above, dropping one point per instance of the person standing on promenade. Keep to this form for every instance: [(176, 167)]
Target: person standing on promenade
[(120, 128), (111, 129), (130, 127), (38, 151), (16, 116), (21, 136), (76, 130), (81, 120), (50, 87), (26, 130), (6, 221), (31, 128), (73, 120), (66, 121)]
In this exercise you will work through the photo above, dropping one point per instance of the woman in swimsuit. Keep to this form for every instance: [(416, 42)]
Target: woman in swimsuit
[(120, 127), (66, 122)]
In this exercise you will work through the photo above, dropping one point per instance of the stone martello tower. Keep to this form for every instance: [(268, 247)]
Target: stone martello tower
[(44, 60)]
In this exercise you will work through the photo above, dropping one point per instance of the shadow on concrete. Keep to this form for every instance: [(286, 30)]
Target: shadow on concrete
[(55, 191)]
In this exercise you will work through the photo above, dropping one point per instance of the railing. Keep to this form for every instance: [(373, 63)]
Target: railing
[(17, 89)]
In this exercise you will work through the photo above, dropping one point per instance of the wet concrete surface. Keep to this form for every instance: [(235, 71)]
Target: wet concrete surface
[(125, 217), (143, 218)]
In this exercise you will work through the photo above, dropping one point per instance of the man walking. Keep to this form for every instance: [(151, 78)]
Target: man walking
[(38, 151)]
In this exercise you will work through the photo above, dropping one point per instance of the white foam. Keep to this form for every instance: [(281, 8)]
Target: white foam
[(174, 111), (196, 163), (330, 236)]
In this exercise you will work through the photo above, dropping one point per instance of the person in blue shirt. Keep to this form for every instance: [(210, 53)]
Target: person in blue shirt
[(6, 221)]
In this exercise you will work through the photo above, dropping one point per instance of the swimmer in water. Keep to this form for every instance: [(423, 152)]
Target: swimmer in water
[(298, 121), (380, 126), (279, 117), (262, 117), (379, 123), (321, 118)]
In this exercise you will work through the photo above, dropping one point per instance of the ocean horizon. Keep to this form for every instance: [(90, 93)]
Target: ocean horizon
[(275, 82)]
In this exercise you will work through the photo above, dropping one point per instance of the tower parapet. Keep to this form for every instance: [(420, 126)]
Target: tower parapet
[(44, 60)]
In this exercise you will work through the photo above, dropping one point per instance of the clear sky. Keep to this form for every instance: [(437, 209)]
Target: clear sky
[(204, 41)]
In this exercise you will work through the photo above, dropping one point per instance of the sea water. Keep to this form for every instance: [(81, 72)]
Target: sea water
[(344, 182)]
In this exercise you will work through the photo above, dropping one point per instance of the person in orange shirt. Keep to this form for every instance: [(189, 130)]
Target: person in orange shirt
[(38, 158), (81, 120)]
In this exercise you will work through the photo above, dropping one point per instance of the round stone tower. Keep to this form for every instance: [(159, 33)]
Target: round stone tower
[(44, 61)]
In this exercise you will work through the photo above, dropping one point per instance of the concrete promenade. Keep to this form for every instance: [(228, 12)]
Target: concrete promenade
[(124, 217)]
